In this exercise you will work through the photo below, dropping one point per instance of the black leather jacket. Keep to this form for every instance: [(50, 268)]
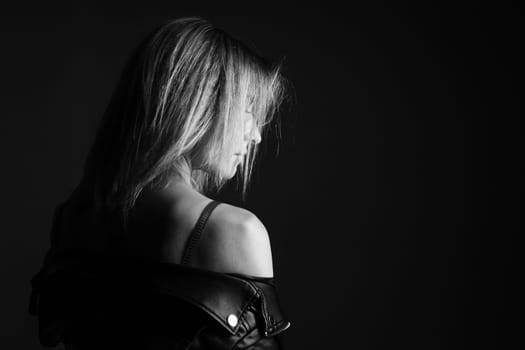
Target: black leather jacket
[(89, 300), (96, 302)]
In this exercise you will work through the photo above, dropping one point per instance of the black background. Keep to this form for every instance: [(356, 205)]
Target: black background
[(392, 203)]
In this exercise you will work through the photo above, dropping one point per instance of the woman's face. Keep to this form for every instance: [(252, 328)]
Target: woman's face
[(249, 133)]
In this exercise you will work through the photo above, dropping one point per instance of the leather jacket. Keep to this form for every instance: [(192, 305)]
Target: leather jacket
[(90, 300), (98, 302)]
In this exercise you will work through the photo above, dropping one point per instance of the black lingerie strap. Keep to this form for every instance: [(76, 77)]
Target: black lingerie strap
[(195, 234)]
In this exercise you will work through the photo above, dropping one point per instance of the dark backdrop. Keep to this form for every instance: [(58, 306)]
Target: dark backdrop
[(392, 205)]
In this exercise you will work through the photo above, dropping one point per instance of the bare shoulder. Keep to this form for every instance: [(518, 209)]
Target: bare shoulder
[(235, 240)]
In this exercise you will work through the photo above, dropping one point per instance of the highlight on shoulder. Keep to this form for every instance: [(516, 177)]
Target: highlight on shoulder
[(235, 241)]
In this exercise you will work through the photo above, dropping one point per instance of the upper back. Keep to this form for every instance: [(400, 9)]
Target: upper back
[(233, 240)]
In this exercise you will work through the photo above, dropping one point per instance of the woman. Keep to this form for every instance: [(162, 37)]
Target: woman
[(141, 257)]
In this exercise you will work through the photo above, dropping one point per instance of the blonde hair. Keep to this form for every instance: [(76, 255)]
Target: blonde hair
[(179, 100)]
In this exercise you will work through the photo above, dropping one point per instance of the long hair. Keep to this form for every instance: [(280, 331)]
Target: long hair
[(178, 100)]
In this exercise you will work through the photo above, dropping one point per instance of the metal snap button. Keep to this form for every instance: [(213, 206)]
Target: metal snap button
[(232, 320)]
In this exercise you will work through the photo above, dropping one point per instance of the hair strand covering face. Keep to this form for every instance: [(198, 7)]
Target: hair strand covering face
[(175, 112)]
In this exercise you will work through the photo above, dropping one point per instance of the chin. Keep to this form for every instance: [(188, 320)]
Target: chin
[(227, 170), (230, 173)]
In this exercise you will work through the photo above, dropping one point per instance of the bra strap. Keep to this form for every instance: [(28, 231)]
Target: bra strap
[(196, 233)]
